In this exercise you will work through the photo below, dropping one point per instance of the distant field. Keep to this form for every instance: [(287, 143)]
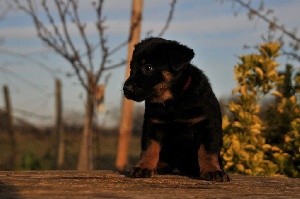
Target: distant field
[(37, 151)]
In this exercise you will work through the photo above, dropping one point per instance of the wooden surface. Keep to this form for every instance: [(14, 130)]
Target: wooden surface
[(109, 184)]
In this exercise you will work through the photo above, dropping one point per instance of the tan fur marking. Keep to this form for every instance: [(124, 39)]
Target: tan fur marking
[(156, 121), (163, 92), (192, 120), (166, 95), (168, 76), (208, 162), (149, 158)]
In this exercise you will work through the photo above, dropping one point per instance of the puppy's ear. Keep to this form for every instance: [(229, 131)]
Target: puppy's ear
[(180, 55)]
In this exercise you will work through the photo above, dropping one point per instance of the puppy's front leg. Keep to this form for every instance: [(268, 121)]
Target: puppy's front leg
[(210, 166), (148, 162)]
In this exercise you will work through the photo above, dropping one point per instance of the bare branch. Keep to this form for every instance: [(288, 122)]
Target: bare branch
[(75, 55), (273, 24), (107, 77), (292, 55), (60, 42), (81, 28), (102, 42), (162, 32), (123, 44), (62, 14), (44, 34), (30, 59), (22, 79), (119, 47), (4, 10), (40, 28), (169, 19), (55, 27), (274, 27), (121, 63), (57, 36)]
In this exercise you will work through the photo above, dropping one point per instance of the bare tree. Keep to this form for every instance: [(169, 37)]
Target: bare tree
[(286, 35), (54, 30)]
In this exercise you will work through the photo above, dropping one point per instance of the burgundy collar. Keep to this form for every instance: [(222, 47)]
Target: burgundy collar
[(187, 84)]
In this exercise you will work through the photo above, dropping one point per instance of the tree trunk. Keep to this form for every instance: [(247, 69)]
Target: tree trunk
[(127, 106), (60, 136), (85, 161), (10, 130)]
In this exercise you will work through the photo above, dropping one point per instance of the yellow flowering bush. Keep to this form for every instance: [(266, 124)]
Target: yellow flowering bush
[(245, 149)]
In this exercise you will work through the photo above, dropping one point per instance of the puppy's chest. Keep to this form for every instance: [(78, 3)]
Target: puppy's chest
[(174, 113)]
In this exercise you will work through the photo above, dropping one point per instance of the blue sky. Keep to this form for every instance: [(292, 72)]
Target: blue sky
[(207, 26)]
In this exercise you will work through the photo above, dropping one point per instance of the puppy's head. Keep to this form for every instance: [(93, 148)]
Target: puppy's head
[(155, 64)]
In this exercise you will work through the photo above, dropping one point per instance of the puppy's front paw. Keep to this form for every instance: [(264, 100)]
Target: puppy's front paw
[(218, 176), (138, 172)]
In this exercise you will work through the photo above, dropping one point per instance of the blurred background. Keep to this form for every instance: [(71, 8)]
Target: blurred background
[(63, 60)]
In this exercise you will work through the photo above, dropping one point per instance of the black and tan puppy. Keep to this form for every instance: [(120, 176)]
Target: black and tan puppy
[(182, 123)]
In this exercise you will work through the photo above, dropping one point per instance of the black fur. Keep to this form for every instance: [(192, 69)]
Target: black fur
[(182, 122)]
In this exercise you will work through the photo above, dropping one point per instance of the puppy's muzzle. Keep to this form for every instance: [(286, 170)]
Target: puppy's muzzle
[(128, 90), (135, 91)]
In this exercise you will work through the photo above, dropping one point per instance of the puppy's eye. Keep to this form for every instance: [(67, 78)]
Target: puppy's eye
[(148, 68)]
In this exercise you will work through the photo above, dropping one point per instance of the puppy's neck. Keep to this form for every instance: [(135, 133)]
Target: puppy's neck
[(183, 82), (187, 84), (173, 87)]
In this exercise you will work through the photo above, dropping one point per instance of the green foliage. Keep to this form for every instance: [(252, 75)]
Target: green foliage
[(289, 110), (283, 123), (30, 161), (246, 149), (287, 87)]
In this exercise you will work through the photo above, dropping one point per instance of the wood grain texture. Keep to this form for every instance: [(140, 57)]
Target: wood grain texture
[(109, 184)]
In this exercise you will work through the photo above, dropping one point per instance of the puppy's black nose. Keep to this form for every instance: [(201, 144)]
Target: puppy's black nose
[(128, 89)]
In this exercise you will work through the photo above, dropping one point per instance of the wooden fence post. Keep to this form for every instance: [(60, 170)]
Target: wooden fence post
[(59, 132), (127, 106), (10, 130)]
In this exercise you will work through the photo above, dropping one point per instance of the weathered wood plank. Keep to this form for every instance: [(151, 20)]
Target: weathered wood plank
[(109, 184)]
